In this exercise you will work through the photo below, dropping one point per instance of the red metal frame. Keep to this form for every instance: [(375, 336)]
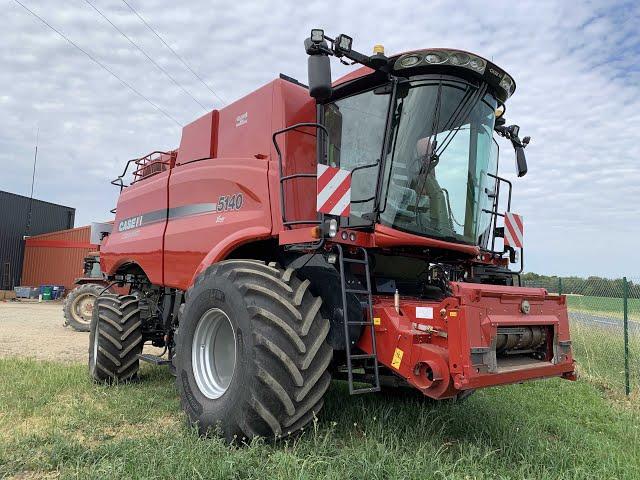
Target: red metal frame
[(412, 346)]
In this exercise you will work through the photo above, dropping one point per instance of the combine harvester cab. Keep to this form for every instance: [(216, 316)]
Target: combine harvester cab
[(354, 230)]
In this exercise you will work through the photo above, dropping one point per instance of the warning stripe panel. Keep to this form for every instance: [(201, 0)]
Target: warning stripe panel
[(513, 230), (333, 191)]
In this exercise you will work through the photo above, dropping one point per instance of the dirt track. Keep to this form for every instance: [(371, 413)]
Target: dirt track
[(36, 330)]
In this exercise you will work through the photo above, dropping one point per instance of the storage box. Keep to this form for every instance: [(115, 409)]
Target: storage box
[(26, 292)]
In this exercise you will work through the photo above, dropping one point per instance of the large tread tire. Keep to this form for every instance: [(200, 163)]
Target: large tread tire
[(282, 357), (115, 340), (72, 317)]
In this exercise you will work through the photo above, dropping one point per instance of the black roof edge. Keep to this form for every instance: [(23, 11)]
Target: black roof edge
[(293, 80), (37, 200)]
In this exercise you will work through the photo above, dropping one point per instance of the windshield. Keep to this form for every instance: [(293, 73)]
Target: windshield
[(441, 149)]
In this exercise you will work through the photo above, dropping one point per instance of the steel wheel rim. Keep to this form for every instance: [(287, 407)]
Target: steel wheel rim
[(213, 353), (79, 305)]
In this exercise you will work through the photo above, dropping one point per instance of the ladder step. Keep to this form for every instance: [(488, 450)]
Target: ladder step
[(147, 357), (357, 391), (362, 356), (354, 260), (371, 324), (355, 290)]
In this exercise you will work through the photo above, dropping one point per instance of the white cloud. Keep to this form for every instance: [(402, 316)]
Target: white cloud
[(575, 63)]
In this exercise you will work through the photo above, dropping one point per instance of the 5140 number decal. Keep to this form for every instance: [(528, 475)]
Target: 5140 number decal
[(230, 202)]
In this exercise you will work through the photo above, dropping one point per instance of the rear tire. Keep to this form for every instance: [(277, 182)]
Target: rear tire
[(116, 338), (78, 305), (279, 355)]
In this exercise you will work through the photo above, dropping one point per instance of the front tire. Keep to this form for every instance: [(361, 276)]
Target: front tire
[(115, 340), (252, 355)]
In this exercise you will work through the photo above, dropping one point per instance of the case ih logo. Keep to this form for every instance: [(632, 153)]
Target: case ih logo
[(513, 230), (130, 223), (334, 191)]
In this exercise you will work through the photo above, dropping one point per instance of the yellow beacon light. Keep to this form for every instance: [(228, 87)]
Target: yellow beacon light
[(378, 49)]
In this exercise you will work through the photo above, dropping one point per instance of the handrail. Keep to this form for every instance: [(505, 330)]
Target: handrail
[(284, 178), (119, 181)]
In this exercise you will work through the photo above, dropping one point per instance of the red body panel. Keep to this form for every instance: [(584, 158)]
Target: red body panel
[(189, 239), (142, 245), (461, 324), (222, 153)]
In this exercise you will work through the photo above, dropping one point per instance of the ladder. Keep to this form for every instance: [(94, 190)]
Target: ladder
[(367, 322)]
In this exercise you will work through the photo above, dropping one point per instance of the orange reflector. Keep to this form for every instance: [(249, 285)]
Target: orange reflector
[(315, 232)]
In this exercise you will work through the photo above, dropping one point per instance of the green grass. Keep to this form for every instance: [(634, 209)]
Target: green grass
[(607, 306), (599, 351), (53, 420)]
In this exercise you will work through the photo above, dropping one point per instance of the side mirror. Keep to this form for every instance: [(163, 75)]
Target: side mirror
[(521, 161), (511, 132), (319, 70)]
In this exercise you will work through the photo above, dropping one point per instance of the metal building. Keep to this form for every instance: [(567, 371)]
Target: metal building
[(56, 258), (14, 214)]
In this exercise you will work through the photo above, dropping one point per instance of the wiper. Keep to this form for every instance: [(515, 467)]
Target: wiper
[(462, 116), (458, 117)]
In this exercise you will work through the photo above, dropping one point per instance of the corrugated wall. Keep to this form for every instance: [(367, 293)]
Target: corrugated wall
[(45, 217), (56, 258)]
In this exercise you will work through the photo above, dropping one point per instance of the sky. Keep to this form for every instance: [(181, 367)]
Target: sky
[(576, 65)]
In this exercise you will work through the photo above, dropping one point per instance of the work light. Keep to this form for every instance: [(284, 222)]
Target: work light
[(317, 35), (343, 43)]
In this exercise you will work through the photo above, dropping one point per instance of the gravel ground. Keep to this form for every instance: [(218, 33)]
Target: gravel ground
[(36, 330)]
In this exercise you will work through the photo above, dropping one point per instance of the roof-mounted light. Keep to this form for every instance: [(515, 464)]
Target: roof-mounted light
[(443, 57), (507, 84), (436, 57), (460, 59), (410, 61), (492, 74)]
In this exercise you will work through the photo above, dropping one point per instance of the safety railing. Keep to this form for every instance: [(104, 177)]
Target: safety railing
[(151, 164), (285, 178)]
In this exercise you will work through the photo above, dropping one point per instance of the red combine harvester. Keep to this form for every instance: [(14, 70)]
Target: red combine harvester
[(357, 230)]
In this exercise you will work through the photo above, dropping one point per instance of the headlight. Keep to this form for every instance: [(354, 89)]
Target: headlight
[(444, 58), (459, 59), (410, 61), (333, 227), (507, 83), (435, 58), (477, 64)]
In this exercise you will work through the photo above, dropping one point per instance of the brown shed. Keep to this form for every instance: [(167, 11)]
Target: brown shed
[(56, 258)]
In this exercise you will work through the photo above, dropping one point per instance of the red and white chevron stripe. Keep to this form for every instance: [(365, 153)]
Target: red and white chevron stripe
[(513, 230), (333, 191)]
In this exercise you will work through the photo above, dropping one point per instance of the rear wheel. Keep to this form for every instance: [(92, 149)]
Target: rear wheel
[(252, 355), (116, 338), (78, 305)]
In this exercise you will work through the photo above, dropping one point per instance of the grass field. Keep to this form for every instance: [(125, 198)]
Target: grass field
[(54, 421), (599, 352), (607, 306)]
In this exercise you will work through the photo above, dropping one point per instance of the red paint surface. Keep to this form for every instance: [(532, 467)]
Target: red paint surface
[(478, 310), (243, 160)]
